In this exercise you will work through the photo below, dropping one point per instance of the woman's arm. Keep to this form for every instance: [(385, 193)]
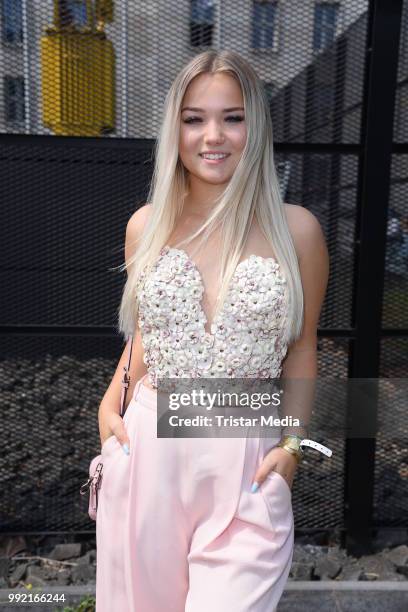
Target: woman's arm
[(110, 421), (300, 362), (301, 359)]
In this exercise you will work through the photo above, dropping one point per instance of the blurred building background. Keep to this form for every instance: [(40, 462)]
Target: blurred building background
[(153, 39)]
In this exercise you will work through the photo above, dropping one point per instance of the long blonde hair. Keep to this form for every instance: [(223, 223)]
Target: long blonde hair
[(253, 189)]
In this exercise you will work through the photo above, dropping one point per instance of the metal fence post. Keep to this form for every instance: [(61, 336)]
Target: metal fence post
[(374, 186)]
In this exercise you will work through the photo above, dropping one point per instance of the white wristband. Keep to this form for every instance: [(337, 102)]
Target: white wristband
[(316, 446)]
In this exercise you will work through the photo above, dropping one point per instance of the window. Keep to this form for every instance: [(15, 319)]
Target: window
[(201, 23), (264, 24), (14, 99), (12, 21), (325, 19), (73, 12)]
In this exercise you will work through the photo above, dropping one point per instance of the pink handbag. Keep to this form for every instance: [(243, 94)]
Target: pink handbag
[(94, 482)]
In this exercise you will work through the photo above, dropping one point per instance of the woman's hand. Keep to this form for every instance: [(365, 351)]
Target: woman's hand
[(111, 423), (279, 460)]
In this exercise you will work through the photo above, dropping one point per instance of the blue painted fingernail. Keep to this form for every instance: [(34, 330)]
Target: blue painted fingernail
[(255, 487), (126, 449)]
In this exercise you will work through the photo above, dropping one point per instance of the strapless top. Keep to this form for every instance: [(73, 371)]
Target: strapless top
[(246, 339)]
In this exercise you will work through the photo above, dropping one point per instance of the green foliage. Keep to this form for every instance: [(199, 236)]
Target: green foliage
[(86, 605)]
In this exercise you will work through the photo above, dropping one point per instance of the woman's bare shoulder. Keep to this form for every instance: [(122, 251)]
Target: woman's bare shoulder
[(304, 227), (314, 264), (138, 220), (134, 228)]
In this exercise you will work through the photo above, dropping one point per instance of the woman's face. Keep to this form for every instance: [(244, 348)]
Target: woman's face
[(216, 125)]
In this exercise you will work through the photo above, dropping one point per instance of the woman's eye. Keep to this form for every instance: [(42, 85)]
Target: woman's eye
[(233, 118)]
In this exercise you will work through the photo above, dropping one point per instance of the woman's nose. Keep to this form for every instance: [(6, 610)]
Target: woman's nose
[(214, 133)]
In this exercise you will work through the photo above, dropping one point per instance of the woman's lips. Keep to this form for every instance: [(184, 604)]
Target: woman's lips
[(214, 161)]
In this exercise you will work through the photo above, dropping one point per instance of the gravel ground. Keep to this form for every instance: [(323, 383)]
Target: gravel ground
[(57, 561)]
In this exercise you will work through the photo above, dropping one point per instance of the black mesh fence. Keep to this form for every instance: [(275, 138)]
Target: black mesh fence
[(83, 84)]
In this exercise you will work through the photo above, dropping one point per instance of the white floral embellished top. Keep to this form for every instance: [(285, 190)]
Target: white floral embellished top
[(246, 339)]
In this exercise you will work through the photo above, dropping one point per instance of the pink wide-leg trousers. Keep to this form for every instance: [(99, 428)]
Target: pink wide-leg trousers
[(178, 529)]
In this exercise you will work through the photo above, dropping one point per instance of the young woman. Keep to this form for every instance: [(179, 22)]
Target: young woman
[(224, 280)]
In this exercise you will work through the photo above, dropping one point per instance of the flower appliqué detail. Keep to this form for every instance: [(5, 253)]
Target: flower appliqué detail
[(246, 339)]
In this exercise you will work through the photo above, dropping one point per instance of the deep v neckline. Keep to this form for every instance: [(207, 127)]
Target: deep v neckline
[(187, 257)]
